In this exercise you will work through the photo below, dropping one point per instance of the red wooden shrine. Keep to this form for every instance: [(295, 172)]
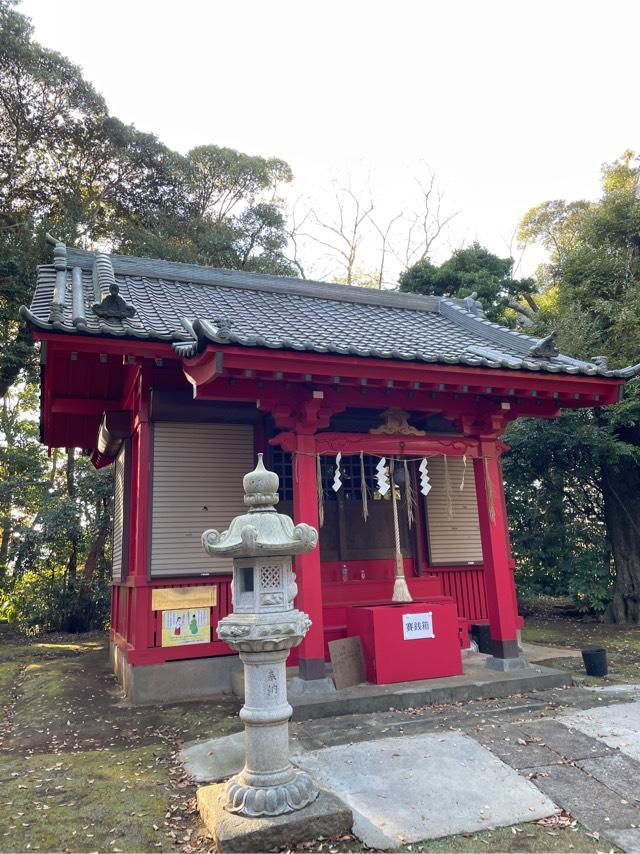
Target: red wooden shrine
[(299, 405)]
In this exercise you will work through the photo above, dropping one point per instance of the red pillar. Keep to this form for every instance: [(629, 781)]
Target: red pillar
[(141, 634), (498, 575), (305, 509)]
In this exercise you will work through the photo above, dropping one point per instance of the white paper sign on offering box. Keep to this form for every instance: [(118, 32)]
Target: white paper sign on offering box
[(416, 626)]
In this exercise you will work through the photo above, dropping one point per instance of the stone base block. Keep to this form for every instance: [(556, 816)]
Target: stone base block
[(326, 816), (173, 681), (311, 686), (507, 665)]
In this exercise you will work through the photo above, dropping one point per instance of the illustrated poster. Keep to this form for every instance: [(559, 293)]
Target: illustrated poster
[(185, 627)]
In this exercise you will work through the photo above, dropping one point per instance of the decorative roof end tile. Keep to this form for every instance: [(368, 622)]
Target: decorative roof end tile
[(59, 252), (60, 265), (546, 348), (112, 306), (474, 305)]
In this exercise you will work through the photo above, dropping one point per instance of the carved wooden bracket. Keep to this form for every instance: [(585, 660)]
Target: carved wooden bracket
[(303, 417)]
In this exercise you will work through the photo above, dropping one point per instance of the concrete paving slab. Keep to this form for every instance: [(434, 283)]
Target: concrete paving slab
[(568, 743), (627, 840), (619, 772), (402, 790), (219, 758), (516, 747), (626, 688), (617, 726), (326, 816), (588, 800)]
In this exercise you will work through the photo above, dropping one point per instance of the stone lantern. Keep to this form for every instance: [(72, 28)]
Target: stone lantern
[(262, 628)]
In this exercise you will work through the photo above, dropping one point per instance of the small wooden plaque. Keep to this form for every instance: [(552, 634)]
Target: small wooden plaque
[(174, 598), (348, 662)]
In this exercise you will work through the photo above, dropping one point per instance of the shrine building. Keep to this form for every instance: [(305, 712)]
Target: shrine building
[(380, 411)]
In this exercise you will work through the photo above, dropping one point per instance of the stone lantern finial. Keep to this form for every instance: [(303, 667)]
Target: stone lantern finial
[(261, 488), (263, 627), (262, 530)]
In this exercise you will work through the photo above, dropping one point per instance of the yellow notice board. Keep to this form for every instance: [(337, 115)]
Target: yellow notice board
[(169, 598), (186, 627)]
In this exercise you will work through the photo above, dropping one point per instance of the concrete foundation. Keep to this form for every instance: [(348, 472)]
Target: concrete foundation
[(311, 686), (203, 678), (173, 681), (478, 682), (507, 665), (326, 816)]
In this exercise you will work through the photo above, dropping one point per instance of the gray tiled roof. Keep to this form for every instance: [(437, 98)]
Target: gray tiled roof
[(190, 305)]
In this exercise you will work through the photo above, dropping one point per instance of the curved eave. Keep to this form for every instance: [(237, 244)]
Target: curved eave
[(206, 333), (107, 330), (187, 348)]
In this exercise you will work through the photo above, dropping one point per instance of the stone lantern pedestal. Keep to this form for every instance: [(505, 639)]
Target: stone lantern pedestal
[(263, 627)]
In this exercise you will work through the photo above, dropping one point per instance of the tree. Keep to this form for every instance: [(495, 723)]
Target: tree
[(68, 167), (472, 270), (65, 166), (592, 290), (363, 241), (225, 213), (556, 512)]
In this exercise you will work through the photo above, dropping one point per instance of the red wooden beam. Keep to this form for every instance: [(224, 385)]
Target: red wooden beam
[(450, 404), (82, 405), (316, 367), (110, 346), (498, 575)]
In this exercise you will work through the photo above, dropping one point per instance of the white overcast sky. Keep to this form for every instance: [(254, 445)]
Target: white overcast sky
[(511, 103)]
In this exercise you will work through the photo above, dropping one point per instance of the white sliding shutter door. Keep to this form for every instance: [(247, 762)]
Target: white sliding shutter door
[(197, 484), (118, 516), (452, 515)]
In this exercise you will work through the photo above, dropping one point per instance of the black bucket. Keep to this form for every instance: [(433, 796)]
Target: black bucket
[(595, 661), (480, 632)]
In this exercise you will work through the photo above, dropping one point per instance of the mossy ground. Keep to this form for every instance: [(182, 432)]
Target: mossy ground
[(80, 770), (621, 642)]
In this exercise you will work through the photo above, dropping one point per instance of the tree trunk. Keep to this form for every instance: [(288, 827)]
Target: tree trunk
[(5, 540), (95, 551), (621, 492)]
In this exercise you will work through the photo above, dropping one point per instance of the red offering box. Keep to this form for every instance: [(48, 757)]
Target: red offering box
[(396, 644)]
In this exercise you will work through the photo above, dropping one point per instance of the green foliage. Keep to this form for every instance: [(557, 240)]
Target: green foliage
[(556, 510), (470, 270), (70, 168), (588, 464), (55, 517), (44, 602)]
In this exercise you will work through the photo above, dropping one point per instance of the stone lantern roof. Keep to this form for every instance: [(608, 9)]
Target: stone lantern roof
[(262, 531)]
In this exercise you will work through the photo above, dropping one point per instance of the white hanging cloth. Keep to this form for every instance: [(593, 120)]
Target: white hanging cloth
[(382, 477), (425, 483), (337, 482)]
